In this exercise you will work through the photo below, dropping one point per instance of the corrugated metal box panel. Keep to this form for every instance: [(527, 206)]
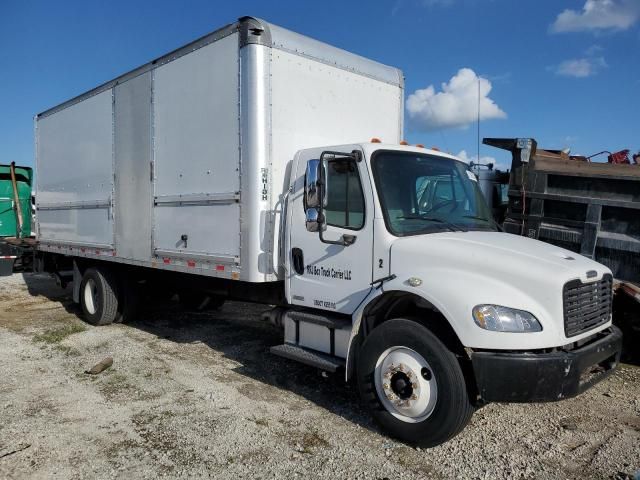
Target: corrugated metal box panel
[(315, 104), (76, 226), (75, 172), (196, 151), (293, 42), (211, 230), (196, 121), (133, 195)]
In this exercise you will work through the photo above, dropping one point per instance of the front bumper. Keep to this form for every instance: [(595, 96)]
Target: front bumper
[(546, 377)]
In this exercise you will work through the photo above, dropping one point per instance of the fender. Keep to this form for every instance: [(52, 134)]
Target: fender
[(395, 285)]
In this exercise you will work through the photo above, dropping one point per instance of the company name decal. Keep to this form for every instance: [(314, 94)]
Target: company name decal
[(328, 272)]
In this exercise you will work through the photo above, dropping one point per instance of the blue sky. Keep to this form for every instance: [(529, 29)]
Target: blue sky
[(566, 73)]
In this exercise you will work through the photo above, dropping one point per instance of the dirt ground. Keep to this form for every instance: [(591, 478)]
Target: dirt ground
[(199, 395)]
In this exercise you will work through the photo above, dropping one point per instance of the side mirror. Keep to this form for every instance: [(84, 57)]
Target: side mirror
[(312, 187)]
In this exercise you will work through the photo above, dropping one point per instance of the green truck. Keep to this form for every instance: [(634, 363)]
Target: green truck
[(15, 216)]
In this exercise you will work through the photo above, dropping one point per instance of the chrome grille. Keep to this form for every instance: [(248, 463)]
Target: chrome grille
[(586, 305)]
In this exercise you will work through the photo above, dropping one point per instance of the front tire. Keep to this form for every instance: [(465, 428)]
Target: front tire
[(99, 296), (412, 384)]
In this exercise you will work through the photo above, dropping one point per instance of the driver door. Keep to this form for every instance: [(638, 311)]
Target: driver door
[(326, 276)]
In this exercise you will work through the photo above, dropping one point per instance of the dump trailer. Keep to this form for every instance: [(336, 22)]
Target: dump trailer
[(494, 185), (240, 167), (590, 208), (15, 218)]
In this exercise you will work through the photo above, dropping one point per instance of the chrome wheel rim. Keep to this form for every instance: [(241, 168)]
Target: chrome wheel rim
[(91, 296), (405, 384)]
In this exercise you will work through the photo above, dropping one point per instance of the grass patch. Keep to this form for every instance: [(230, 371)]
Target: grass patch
[(56, 335), (68, 351)]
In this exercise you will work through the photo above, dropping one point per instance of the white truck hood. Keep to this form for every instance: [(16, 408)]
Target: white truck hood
[(460, 270)]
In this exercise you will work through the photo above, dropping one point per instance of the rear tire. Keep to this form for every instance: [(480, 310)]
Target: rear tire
[(412, 384), (99, 296)]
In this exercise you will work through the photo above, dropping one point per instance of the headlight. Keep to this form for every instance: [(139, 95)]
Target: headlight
[(504, 319)]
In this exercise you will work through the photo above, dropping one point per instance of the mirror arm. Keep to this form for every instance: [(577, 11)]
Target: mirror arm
[(345, 240)]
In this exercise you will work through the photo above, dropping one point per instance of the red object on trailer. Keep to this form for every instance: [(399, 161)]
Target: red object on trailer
[(620, 157)]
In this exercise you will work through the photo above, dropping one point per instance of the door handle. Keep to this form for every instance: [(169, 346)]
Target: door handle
[(297, 258)]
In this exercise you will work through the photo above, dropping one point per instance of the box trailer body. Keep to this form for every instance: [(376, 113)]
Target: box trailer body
[(238, 167), (213, 125)]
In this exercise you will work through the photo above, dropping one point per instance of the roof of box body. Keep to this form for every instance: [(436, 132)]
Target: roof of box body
[(253, 30)]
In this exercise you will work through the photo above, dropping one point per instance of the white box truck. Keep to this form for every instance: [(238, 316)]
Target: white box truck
[(239, 167)]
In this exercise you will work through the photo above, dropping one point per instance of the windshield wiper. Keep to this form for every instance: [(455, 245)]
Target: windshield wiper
[(452, 226), (488, 220)]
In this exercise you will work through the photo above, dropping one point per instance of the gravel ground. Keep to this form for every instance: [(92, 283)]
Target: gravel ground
[(199, 395)]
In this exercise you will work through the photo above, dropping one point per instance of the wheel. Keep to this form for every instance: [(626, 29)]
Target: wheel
[(99, 296), (200, 301), (412, 384)]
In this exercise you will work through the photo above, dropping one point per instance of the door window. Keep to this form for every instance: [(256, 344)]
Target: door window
[(345, 200)]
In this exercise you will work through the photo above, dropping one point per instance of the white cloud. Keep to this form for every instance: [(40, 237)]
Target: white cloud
[(581, 67), (598, 15), (456, 105)]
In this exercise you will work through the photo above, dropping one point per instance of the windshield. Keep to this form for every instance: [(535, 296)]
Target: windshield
[(422, 193)]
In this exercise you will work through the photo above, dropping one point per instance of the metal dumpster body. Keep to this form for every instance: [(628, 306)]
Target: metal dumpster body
[(589, 208), (8, 223)]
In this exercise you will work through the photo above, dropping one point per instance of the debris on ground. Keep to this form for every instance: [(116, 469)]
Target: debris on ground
[(100, 366)]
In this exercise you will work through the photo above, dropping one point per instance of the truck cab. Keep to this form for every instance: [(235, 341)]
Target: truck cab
[(397, 270)]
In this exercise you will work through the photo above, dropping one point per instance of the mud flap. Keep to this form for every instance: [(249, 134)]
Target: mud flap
[(77, 278), (6, 266)]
